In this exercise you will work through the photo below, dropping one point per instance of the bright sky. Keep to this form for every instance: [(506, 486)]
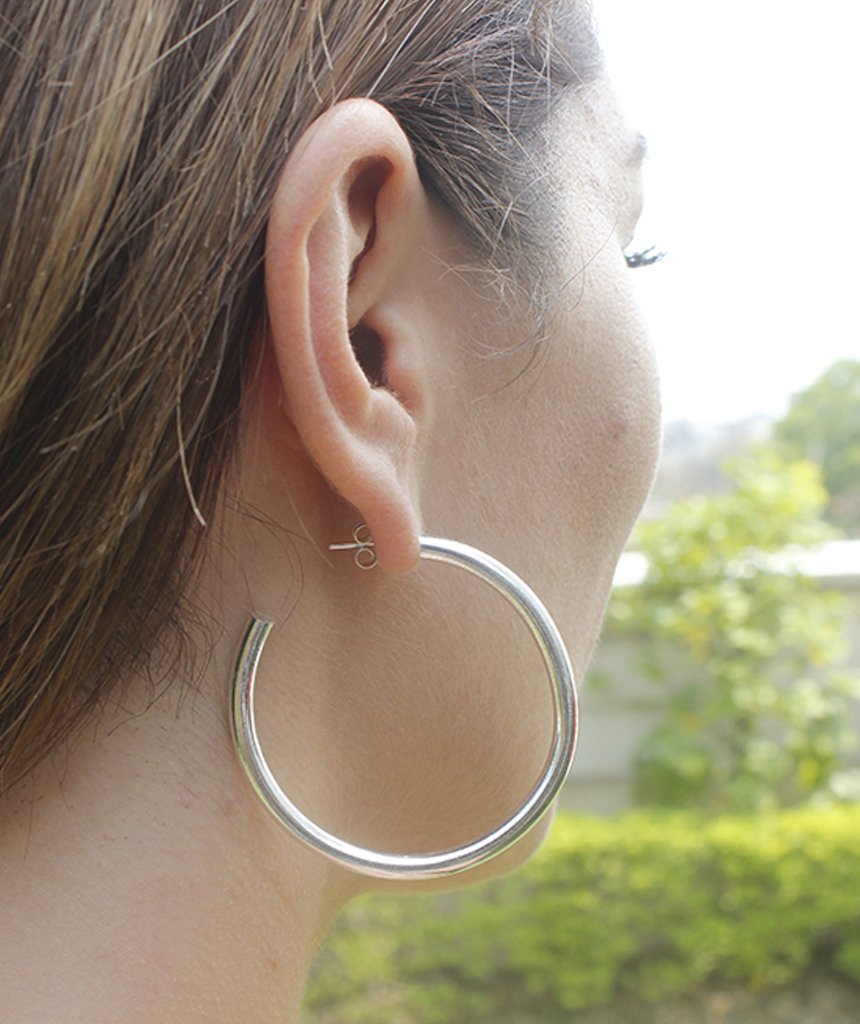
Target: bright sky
[(752, 111)]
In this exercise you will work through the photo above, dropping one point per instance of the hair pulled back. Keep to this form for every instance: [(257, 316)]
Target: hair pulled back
[(141, 141)]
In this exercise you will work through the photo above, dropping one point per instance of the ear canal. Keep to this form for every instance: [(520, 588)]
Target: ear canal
[(369, 350)]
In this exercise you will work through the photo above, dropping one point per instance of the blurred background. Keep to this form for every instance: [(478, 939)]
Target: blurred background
[(705, 865), (751, 111)]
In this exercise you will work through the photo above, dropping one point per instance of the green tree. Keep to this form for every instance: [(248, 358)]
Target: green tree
[(823, 426), (744, 648)]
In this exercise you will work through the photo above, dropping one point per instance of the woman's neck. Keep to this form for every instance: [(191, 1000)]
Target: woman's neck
[(139, 883)]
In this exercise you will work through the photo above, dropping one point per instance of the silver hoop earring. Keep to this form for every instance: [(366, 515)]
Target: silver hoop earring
[(445, 862)]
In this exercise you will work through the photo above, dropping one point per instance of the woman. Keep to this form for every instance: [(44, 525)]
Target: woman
[(270, 270)]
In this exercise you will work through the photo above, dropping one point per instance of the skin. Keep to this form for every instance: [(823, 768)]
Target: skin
[(144, 879)]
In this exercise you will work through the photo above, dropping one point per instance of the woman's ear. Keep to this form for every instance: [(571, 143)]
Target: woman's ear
[(348, 211)]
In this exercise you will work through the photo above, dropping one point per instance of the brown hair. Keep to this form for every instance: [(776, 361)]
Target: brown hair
[(141, 141)]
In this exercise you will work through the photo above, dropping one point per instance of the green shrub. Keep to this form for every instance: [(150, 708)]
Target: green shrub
[(644, 907), (746, 654)]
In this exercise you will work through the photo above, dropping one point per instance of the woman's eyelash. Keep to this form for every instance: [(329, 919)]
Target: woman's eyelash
[(646, 258)]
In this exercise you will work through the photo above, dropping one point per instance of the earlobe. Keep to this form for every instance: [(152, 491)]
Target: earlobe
[(346, 211)]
